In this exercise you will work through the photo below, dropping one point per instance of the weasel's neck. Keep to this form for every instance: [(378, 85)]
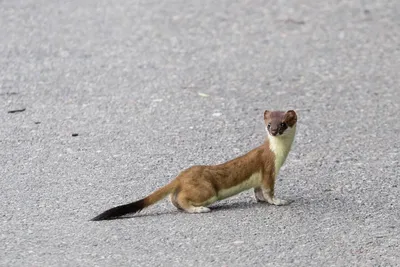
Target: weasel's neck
[(280, 146)]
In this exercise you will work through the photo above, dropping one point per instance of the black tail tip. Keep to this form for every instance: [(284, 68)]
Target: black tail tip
[(100, 218), (119, 211), (104, 216), (110, 214)]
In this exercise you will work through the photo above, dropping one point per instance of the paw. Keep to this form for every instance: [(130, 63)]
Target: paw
[(199, 210), (279, 202)]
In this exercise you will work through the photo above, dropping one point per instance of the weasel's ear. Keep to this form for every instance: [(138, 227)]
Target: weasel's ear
[(266, 114), (291, 117)]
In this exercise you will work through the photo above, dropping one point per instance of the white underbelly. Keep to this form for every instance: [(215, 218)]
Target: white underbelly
[(253, 181)]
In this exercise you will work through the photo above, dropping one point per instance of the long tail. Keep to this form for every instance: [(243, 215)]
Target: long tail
[(138, 205)]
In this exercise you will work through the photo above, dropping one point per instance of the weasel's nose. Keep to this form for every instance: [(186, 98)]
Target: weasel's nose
[(274, 132)]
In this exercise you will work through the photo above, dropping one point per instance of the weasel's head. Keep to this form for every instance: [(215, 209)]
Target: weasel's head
[(280, 123)]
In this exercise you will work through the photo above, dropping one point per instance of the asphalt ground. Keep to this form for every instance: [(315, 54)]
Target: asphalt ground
[(153, 87)]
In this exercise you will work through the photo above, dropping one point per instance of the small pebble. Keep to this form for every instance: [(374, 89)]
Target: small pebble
[(203, 94)]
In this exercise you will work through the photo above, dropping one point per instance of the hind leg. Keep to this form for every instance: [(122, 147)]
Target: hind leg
[(172, 198), (187, 206), (195, 199), (200, 209)]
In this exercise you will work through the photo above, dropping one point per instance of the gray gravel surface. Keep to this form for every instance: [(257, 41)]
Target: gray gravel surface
[(153, 87)]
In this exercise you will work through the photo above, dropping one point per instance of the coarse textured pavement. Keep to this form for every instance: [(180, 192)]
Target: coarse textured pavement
[(153, 87)]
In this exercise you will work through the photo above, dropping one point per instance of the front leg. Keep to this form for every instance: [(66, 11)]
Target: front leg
[(258, 193), (268, 187)]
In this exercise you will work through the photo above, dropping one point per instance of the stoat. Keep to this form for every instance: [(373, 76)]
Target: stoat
[(199, 186)]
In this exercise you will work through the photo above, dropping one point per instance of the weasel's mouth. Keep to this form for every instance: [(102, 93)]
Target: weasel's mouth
[(277, 133), (274, 133)]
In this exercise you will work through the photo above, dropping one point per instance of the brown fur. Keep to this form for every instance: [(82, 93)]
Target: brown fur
[(199, 186)]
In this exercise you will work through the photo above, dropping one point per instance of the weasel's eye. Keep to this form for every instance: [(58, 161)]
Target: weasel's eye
[(283, 124), (269, 125)]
